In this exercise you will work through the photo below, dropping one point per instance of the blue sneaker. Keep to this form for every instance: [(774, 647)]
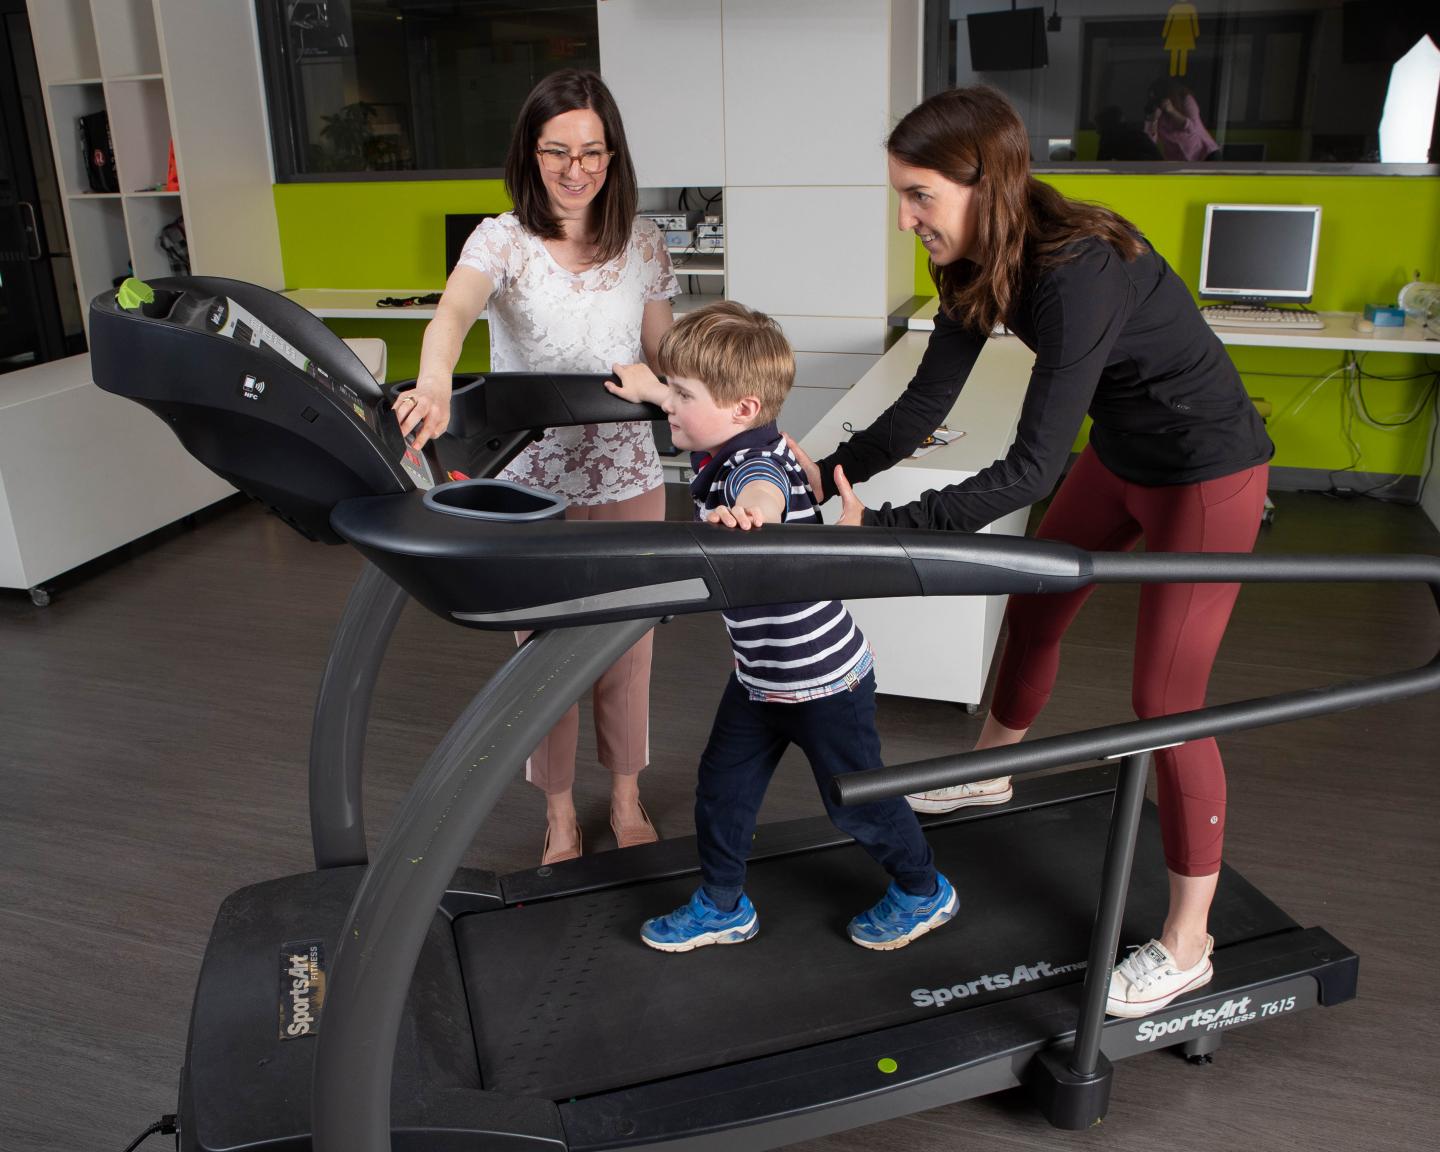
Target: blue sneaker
[(899, 918), (698, 923)]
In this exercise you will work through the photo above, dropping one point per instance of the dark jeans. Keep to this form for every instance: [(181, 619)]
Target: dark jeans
[(837, 734)]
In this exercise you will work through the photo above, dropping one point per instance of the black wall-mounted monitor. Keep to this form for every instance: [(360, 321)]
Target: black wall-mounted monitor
[(1007, 41), (458, 227)]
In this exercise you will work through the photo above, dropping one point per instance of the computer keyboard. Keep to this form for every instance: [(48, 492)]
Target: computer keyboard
[(1232, 316)]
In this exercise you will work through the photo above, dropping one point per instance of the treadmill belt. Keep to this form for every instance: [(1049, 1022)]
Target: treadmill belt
[(566, 1000)]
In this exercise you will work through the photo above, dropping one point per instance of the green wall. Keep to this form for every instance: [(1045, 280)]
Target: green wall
[(1375, 233), (387, 235)]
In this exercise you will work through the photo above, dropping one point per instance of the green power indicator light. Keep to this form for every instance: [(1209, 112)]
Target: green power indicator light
[(887, 1065)]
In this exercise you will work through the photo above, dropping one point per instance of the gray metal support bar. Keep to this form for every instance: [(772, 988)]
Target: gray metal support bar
[(387, 923), (342, 714), (1114, 884)]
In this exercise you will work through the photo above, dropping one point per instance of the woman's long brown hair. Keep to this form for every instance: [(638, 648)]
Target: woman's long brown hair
[(974, 137), (615, 204)]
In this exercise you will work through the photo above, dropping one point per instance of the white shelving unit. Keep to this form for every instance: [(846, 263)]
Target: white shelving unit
[(135, 60), (708, 270), (181, 71)]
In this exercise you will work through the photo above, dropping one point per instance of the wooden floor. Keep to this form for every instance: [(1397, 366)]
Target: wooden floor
[(153, 732)]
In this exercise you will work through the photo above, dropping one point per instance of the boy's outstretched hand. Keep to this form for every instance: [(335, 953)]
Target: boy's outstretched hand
[(760, 502), (637, 384), (737, 517)]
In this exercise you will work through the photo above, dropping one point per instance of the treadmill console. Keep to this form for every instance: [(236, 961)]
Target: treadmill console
[(261, 392)]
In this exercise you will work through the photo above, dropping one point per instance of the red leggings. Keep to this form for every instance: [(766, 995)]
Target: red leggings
[(1176, 637)]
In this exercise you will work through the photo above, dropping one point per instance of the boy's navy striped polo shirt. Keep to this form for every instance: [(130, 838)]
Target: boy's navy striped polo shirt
[(783, 652)]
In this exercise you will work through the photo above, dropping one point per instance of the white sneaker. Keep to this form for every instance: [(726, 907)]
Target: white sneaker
[(1148, 979), (996, 791)]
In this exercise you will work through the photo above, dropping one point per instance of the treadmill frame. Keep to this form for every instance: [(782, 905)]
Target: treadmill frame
[(1070, 1078)]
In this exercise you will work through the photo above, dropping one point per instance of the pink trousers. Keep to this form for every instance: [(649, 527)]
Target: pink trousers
[(622, 694)]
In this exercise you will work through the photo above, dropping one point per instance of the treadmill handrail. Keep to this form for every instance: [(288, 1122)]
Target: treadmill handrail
[(355, 1053), (1116, 740)]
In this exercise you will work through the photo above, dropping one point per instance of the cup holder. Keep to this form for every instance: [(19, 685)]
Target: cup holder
[(163, 304), (494, 500)]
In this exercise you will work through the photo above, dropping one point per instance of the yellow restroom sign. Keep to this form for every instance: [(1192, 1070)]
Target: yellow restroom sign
[(1182, 29)]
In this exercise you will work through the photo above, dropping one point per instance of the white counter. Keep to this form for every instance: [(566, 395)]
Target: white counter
[(83, 472), (934, 648), (1338, 335)]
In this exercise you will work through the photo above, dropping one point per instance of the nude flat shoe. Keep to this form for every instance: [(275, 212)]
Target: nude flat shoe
[(646, 835), (549, 856)]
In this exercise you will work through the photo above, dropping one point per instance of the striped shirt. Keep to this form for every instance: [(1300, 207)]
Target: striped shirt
[(784, 653)]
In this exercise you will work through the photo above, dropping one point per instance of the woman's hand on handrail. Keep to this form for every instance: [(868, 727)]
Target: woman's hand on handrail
[(425, 409)]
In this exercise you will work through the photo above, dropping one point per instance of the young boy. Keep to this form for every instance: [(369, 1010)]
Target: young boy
[(802, 671)]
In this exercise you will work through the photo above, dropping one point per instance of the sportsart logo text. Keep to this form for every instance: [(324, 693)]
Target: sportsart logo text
[(302, 987), (1229, 1013), (994, 981)]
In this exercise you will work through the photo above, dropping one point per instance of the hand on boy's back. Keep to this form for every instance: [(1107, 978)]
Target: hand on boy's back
[(637, 384), (852, 512)]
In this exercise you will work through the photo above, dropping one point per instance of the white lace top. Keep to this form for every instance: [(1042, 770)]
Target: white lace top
[(544, 318)]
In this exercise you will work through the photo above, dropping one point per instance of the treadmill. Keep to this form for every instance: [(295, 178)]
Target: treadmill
[(408, 1003)]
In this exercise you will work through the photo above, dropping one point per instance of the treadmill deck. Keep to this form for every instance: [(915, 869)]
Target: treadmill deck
[(566, 1001)]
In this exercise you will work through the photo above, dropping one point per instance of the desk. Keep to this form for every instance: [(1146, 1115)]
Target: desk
[(1338, 335), (360, 303), (934, 648)]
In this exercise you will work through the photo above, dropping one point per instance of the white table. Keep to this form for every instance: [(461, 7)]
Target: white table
[(934, 648), (1339, 334)]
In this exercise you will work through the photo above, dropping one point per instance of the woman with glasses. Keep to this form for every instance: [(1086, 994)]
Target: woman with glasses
[(571, 280), (1177, 455)]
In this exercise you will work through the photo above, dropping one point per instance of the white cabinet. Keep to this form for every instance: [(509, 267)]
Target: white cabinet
[(786, 106), (934, 648), (806, 91), (661, 60), (83, 472), (814, 251), (166, 72)]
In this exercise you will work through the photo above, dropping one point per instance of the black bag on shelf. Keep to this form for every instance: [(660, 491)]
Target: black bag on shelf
[(97, 152), (176, 248)]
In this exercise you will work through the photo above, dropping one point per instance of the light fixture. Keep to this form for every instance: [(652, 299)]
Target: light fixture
[(1053, 24), (1408, 119)]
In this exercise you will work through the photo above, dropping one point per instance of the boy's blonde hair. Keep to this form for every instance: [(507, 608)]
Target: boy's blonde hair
[(735, 352)]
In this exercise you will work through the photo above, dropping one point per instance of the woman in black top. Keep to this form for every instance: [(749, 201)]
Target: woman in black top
[(1177, 454)]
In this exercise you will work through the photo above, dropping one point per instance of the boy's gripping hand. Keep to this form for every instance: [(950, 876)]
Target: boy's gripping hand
[(637, 384), (760, 502)]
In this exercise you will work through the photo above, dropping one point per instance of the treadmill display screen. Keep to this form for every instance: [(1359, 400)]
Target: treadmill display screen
[(237, 322)]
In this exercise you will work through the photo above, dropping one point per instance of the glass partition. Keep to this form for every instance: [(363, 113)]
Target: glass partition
[(410, 87), (1239, 83)]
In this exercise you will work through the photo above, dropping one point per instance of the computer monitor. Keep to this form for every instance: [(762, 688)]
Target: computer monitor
[(458, 226), (1007, 41), (1259, 251)]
